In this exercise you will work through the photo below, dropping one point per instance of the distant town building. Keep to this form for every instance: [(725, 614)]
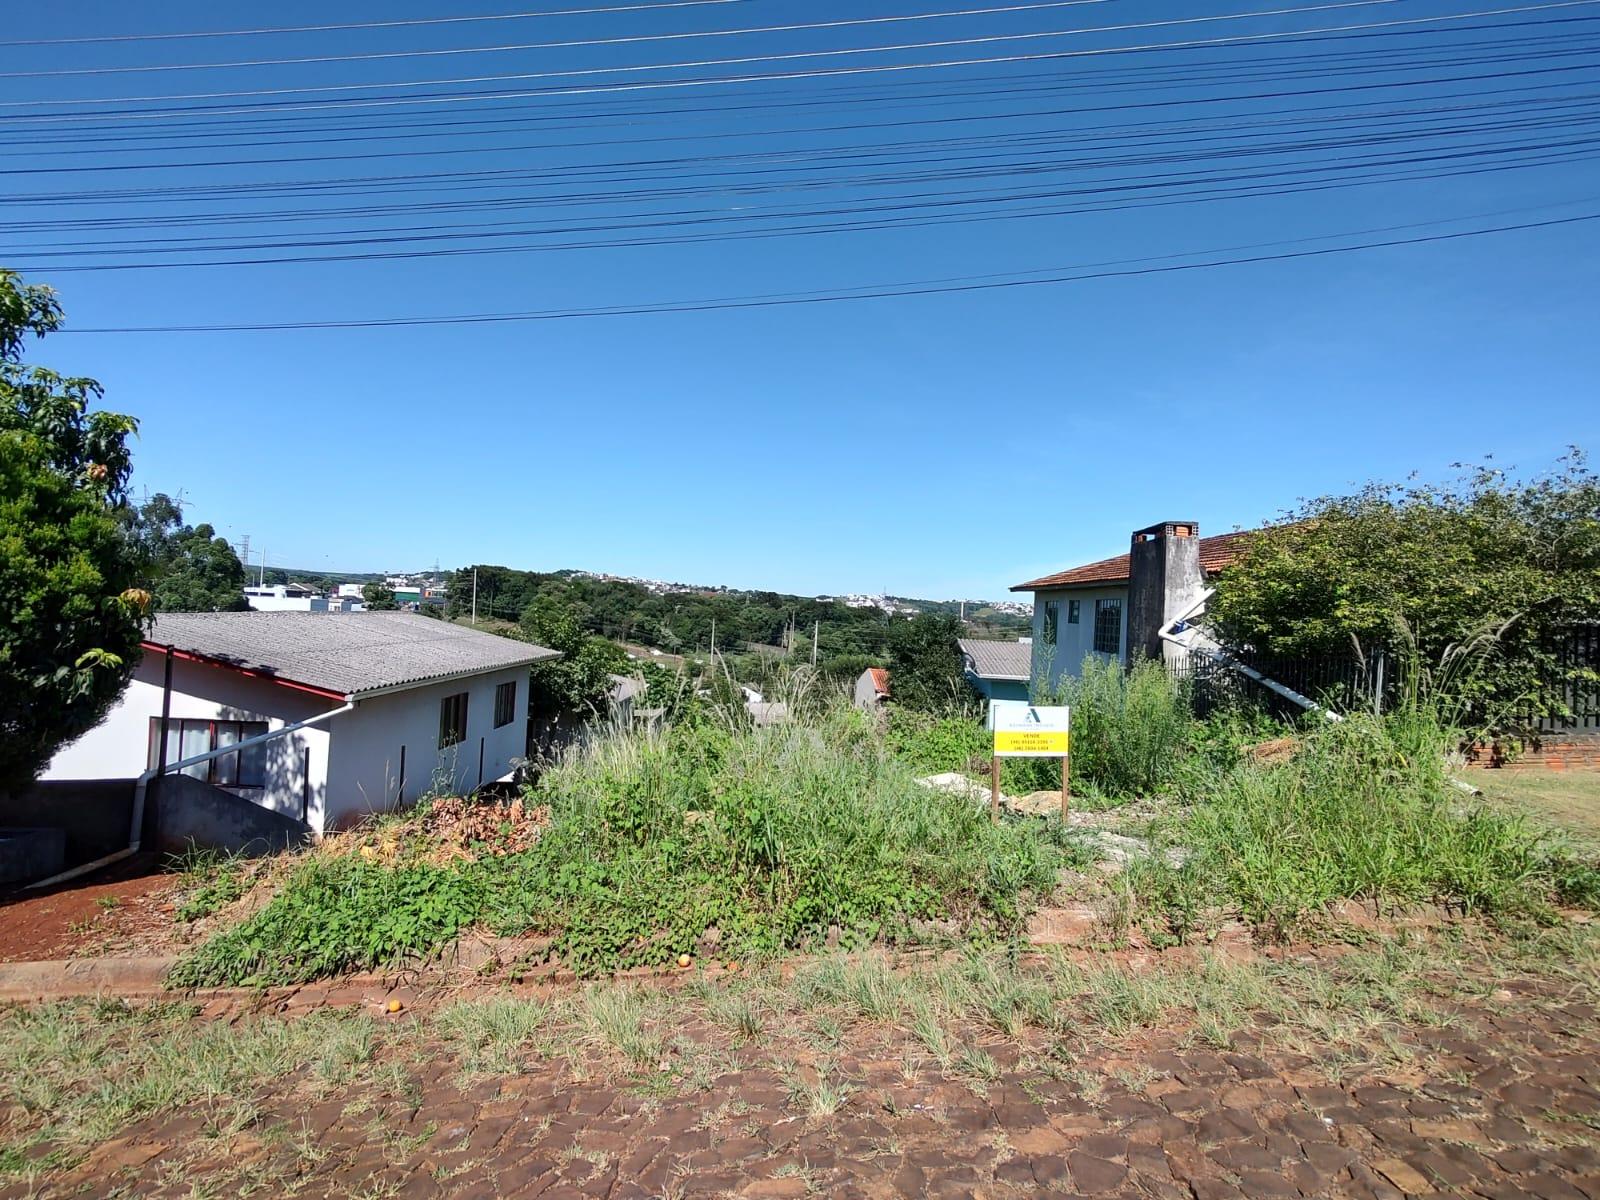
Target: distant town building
[(296, 597)]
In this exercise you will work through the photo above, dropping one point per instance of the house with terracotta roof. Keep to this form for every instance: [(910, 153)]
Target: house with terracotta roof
[(1116, 607), (872, 688)]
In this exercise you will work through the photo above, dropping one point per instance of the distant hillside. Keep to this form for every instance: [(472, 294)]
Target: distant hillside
[(683, 618)]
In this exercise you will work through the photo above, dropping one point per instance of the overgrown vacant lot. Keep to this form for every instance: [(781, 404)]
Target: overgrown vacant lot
[(1463, 1064), (1326, 969)]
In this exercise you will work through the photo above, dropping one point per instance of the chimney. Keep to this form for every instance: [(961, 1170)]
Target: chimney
[(1163, 579)]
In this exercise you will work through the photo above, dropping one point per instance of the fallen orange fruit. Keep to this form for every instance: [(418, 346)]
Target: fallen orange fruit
[(684, 960), (395, 1006)]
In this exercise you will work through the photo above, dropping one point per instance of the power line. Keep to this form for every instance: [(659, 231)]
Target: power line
[(616, 92), (419, 21), (792, 56), (631, 39), (208, 123), (455, 151), (975, 284)]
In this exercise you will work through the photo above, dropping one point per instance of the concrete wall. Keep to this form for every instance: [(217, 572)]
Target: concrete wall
[(193, 812), (364, 775), (1073, 642), (96, 814), (118, 748)]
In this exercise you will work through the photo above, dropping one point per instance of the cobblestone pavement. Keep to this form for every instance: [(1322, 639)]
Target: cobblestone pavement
[(1500, 1099)]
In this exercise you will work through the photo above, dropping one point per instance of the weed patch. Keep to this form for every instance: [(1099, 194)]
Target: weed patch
[(760, 840)]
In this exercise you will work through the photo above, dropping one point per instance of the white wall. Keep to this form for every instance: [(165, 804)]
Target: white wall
[(1073, 642), (365, 772), (118, 748)]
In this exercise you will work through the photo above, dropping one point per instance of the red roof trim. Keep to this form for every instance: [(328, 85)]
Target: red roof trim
[(1216, 552), (205, 660)]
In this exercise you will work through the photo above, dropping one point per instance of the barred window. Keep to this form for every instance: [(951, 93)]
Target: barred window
[(1108, 625), (1052, 620)]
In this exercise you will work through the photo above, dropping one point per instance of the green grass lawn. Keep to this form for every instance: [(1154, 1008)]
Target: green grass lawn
[(1569, 799)]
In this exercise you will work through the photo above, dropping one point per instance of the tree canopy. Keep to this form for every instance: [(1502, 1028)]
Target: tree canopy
[(186, 568), (925, 666), (379, 597), (580, 680), (68, 571), (1414, 569)]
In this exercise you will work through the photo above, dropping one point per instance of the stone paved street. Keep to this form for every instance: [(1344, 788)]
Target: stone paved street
[(1500, 1099)]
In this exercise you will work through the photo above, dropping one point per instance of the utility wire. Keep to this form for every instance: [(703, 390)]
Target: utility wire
[(631, 39), (792, 56), (206, 124), (937, 209), (1373, 61), (523, 147), (412, 23), (889, 291), (617, 91)]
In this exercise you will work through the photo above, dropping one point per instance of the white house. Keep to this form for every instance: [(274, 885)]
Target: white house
[(398, 705), (1090, 609), (295, 597)]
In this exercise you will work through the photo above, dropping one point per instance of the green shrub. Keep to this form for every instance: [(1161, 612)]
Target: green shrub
[(930, 744), (339, 914), (1129, 728), (1364, 810)]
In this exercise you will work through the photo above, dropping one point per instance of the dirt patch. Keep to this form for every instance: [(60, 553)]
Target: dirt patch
[(118, 908)]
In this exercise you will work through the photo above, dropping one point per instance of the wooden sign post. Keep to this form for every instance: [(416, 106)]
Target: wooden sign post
[(1023, 730)]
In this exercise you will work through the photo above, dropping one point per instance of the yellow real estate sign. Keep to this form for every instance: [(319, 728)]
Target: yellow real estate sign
[(1033, 744), (1023, 730)]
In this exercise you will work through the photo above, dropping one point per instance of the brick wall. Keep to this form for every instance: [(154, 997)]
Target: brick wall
[(1579, 752)]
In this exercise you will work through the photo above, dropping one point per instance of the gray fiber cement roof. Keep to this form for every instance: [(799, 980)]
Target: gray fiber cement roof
[(353, 654), (998, 660)]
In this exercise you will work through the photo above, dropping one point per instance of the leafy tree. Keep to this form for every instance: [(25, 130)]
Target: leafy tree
[(68, 572), (379, 597), (1508, 565), (186, 568), (925, 669), (580, 680)]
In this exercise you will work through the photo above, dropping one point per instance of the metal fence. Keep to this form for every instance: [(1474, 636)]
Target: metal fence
[(1339, 682), (1345, 682), (1578, 650)]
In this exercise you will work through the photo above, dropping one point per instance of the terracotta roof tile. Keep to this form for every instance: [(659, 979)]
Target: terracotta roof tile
[(880, 679), (1217, 552)]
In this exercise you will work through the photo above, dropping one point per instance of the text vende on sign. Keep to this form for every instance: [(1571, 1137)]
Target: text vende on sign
[(1023, 730)]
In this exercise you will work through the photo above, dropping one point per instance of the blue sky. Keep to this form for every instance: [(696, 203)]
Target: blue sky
[(938, 445)]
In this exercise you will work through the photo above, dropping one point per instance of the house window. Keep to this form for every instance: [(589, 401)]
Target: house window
[(505, 703), (453, 720), (186, 738), (1108, 626), (1074, 611), (1052, 620)]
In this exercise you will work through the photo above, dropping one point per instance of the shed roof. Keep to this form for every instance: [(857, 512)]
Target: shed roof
[(347, 654), (998, 660), (1216, 552), (880, 680)]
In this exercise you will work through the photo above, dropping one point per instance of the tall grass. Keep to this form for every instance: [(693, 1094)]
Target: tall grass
[(743, 841), (1129, 727), (1365, 810)]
